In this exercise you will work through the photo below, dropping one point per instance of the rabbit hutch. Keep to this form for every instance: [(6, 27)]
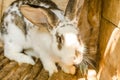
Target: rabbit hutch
[(99, 30)]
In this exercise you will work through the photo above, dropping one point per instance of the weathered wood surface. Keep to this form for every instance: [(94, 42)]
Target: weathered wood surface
[(109, 41), (110, 52)]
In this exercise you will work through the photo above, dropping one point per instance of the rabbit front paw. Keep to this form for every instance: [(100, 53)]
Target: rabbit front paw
[(26, 59), (68, 69), (20, 58), (51, 68)]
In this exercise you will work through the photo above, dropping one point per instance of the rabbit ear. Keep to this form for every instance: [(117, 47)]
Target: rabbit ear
[(39, 15), (73, 9)]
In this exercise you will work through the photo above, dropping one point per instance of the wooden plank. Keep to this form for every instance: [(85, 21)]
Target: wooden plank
[(0, 9), (6, 69), (111, 10), (6, 3), (61, 3), (109, 43)]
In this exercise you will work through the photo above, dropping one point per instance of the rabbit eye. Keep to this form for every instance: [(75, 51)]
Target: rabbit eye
[(60, 40)]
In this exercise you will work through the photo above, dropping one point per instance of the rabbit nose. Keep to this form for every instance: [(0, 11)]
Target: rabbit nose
[(78, 58), (77, 54)]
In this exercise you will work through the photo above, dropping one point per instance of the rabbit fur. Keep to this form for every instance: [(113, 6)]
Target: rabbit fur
[(40, 28)]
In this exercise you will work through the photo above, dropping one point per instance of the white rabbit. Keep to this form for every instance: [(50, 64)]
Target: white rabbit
[(42, 31)]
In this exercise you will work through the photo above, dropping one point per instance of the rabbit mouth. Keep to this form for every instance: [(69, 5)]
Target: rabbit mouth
[(78, 60)]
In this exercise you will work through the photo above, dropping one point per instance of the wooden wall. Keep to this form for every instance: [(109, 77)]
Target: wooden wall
[(0, 8), (109, 41), (3, 5)]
